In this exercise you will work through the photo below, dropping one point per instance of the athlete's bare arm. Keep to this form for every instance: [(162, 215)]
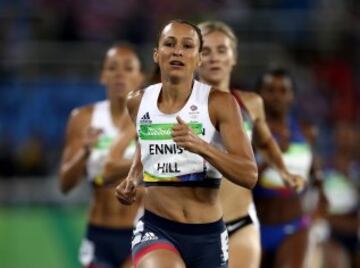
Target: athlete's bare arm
[(316, 175), (116, 166), (237, 163), (79, 140), (265, 142), (127, 189)]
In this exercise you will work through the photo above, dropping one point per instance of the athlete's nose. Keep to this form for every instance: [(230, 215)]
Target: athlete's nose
[(178, 52), (213, 57)]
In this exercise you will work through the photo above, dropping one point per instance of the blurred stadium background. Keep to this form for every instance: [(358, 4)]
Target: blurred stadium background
[(50, 55)]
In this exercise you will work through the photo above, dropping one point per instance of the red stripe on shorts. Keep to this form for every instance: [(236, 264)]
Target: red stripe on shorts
[(153, 247)]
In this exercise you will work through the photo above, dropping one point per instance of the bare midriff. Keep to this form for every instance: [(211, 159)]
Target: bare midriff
[(184, 204), (235, 200), (278, 210)]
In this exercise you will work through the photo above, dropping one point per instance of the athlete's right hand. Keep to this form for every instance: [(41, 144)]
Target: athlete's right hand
[(125, 192)]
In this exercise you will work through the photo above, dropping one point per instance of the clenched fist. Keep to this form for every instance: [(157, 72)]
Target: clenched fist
[(126, 192)]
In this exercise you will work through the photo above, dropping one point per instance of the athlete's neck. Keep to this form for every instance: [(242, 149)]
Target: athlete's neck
[(277, 119), (176, 92), (222, 85), (117, 108)]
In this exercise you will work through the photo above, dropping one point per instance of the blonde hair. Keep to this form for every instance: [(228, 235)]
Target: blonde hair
[(209, 27)]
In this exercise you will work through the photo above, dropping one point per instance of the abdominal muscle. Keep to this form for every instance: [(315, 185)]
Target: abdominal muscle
[(184, 204)]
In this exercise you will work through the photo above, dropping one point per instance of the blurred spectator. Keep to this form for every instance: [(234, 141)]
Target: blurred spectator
[(335, 77), (31, 159), (342, 188)]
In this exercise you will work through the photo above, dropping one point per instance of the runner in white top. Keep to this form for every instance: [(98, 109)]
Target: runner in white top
[(91, 132), (219, 57), (182, 226), (164, 161)]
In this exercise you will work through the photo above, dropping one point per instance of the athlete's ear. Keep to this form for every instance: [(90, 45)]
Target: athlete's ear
[(140, 79), (291, 96), (200, 60), (155, 55), (234, 58), (102, 78), (234, 61), (290, 92)]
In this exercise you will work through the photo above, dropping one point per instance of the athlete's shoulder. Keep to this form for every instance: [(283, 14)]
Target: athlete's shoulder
[(135, 96), (252, 102), (133, 101), (80, 118), (248, 97), (219, 95), (220, 99), (82, 112)]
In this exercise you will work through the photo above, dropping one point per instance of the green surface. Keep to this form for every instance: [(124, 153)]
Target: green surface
[(40, 236)]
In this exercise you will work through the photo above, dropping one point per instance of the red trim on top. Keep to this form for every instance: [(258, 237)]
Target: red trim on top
[(238, 99), (152, 247)]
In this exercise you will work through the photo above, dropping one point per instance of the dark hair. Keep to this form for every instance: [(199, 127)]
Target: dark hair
[(125, 45), (276, 72), (192, 25)]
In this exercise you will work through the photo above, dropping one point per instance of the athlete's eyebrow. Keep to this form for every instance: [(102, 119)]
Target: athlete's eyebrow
[(172, 38), (221, 46), (188, 39)]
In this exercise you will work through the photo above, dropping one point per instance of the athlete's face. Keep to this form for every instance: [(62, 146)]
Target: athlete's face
[(178, 51), (217, 58), (277, 93), (345, 137), (121, 72)]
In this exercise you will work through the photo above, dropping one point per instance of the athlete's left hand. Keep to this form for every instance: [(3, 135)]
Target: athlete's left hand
[(296, 182), (125, 192), (184, 137)]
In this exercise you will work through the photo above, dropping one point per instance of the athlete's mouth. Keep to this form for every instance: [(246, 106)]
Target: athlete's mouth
[(215, 68), (176, 63), (119, 85)]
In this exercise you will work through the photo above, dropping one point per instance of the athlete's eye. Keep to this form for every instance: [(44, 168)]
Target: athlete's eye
[(205, 52), (169, 43), (188, 45), (111, 67), (129, 69), (222, 50)]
